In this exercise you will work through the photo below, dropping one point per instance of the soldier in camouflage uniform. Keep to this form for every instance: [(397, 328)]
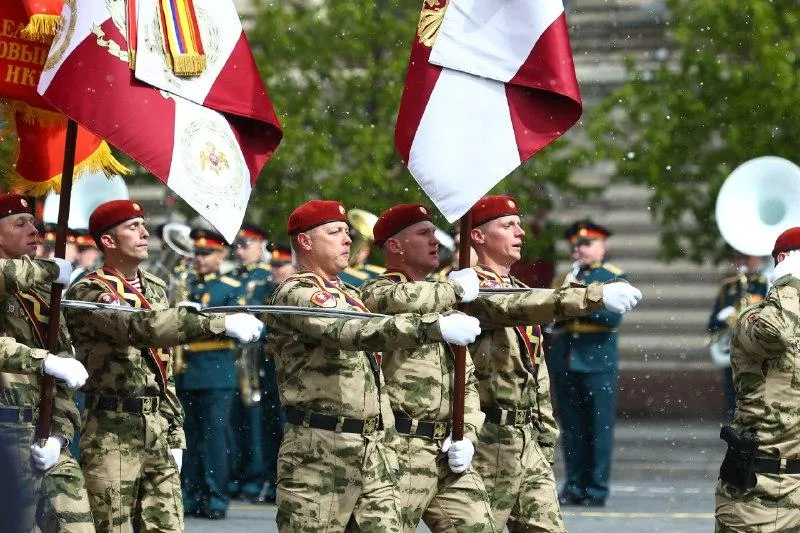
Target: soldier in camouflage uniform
[(132, 438), (764, 354), (336, 471), (419, 381), (516, 445), (52, 480)]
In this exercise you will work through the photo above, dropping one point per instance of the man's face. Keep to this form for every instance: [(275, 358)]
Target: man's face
[(589, 251), (207, 261), (18, 236), (128, 239), (502, 239), (328, 247), (419, 246), (249, 250)]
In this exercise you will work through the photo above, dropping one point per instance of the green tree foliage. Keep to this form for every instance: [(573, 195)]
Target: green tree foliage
[(335, 73), (728, 92)]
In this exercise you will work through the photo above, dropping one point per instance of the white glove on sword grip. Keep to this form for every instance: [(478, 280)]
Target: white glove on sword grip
[(459, 328), (468, 280), (64, 270), (459, 453), (620, 296), (243, 327), (45, 458), (67, 369)]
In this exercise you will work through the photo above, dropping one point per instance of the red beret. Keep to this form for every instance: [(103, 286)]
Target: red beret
[(394, 220), (13, 204), (109, 214), (492, 207), (315, 213), (787, 241)]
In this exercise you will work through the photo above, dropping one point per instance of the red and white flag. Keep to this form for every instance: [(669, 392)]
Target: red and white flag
[(489, 84), (206, 137)]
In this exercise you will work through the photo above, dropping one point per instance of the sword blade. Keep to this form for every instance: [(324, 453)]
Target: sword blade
[(292, 310), (503, 290), (95, 306)]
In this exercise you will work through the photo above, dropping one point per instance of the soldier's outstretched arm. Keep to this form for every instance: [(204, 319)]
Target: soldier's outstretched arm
[(396, 332), (385, 296), (17, 358), (537, 306), (155, 329), (23, 274)]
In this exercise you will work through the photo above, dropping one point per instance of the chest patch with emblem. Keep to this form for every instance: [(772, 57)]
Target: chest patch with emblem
[(489, 284), (323, 299)]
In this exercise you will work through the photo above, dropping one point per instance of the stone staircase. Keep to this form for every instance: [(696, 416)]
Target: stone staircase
[(665, 370)]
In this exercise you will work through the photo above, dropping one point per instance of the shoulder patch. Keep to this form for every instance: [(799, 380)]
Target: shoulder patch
[(108, 298), (153, 278), (489, 284), (227, 280), (323, 299), (613, 269)]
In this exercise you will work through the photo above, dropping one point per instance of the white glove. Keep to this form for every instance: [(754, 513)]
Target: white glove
[(459, 328), (45, 458), (468, 280), (459, 453), (243, 327), (177, 454), (64, 270), (620, 296), (725, 313), (67, 369), (187, 303), (790, 265)]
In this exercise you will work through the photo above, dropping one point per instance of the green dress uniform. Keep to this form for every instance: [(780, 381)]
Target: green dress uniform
[(206, 390), (357, 275), (733, 290), (583, 362), (133, 417), (257, 429), (419, 383), (56, 499)]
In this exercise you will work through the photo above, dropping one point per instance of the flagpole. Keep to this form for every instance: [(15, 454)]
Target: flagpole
[(48, 382), (460, 352)]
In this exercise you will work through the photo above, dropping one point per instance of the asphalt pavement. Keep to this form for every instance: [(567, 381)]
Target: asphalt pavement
[(662, 482)]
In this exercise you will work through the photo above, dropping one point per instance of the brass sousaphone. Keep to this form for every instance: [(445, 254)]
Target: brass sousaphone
[(362, 224)]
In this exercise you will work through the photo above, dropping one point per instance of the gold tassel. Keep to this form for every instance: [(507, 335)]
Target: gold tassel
[(189, 64), (41, 27)]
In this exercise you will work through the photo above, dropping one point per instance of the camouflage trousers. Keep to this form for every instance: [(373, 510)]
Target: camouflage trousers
[(772, 506), (429, 491), (131, 477), (519, 480), (330, 482), (55, 500)]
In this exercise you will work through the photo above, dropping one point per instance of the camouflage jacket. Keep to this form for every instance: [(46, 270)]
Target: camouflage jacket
[(322, 363), (764, 354), (24, 295), (116, 347), (504, 377), (419, 381)]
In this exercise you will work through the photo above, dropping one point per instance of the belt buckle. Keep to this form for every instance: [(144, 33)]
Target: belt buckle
[(519, 417), (439, 430), (147, 405), (370, 425)]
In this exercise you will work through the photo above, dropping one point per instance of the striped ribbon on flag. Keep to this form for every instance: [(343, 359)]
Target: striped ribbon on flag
[(184, 48)]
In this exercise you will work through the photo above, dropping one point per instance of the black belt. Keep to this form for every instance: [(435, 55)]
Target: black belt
[(136, 404), (17, 414), (421, 428), (508, 417), (772, 465), (339, 424)]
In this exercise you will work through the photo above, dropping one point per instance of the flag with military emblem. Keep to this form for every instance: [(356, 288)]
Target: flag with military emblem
[(489, 84), (175, 86)]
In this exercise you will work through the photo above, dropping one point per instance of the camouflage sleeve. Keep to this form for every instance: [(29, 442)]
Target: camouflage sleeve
[(602, 316), (473, 416), (154, 329), (23, 274), (375, 334), (386, 296), (172, 410), (17, 358), (548, 434), (537, 306), (761, 330), (66, 418)]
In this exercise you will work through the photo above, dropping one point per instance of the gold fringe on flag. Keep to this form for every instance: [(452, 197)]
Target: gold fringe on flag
[(41, 27), (188, 64)]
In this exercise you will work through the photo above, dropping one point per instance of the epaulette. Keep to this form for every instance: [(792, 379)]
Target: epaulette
[(613, 269), (360, 274), (227, 280), (153, 278)]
